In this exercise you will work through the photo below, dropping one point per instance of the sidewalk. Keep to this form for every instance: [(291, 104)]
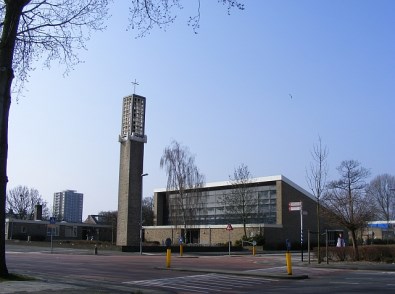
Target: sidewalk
[(351, 265), (38, 286)]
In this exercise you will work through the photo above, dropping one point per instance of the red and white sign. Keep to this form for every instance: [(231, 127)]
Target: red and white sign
[(295, 206), (229, 227)]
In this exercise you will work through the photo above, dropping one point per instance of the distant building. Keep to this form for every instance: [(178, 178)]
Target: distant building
[(67, 206), (378, 231), (41, 230)]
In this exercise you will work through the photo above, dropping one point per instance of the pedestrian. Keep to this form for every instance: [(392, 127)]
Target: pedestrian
[(340, 241)]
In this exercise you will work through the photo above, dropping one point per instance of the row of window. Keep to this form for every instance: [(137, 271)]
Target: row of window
[(70, 231), (210, 207)]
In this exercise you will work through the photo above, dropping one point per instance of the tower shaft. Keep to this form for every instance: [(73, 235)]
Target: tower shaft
[(132, 140)]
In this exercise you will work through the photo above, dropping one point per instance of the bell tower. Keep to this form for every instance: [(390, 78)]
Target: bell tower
[(132, 140)]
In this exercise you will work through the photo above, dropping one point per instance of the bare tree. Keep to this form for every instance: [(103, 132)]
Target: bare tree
[(21, 202), (346, 200), (148, 211), (183, 181), (239, 203), (31, 30), (51, 30), (316, 179), (110, 217), (379, 190)]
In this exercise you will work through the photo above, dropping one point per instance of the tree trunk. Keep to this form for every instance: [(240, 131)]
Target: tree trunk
[(355, 245), (7, 45), (245, 228), (318, 231), (244, 217), (185, 233)]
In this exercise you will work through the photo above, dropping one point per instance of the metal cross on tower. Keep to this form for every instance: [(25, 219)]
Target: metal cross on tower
[(134, 86)]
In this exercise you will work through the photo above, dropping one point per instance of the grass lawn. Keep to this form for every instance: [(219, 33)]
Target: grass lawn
[(15, 277)]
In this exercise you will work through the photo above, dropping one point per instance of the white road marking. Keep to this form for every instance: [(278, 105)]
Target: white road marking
[(203, 283)]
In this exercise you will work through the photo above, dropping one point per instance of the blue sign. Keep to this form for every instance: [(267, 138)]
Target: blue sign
[(52, 220)]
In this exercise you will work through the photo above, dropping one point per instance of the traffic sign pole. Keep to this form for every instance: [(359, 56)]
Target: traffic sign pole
[(301, 231), (229, 242), (229, 228), (298, 206)]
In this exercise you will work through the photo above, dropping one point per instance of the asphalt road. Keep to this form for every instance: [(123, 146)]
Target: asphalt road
[(76, 271)]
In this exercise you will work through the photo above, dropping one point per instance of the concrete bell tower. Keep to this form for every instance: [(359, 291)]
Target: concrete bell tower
[(132, 140)]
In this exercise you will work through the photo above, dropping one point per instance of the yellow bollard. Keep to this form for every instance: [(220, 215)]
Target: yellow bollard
[(289, 263), (168, 257), (253, 250), (181, 250)]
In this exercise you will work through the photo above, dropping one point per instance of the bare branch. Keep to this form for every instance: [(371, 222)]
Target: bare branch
[(316, 176), (240, 203), (183, 182), (379, 191), (21, 202), (52, 30), (147, 14)]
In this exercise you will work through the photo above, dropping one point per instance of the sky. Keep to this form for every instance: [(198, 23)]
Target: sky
[(256, 87)]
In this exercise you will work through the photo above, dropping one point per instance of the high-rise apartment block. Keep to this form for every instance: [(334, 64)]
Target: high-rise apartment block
[(67, 206)]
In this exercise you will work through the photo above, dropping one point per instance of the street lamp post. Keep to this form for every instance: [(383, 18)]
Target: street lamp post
[(391, 189), (141, 215)]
